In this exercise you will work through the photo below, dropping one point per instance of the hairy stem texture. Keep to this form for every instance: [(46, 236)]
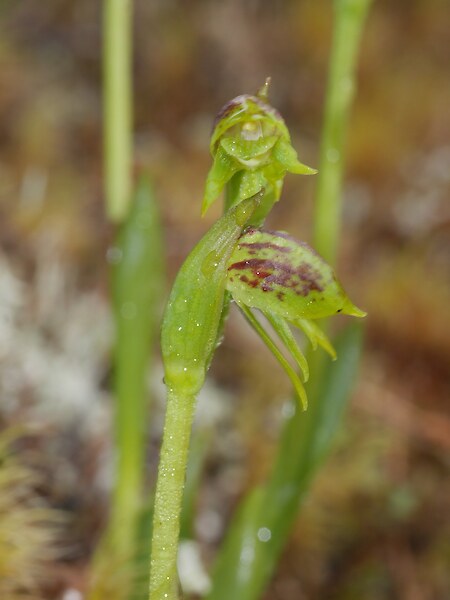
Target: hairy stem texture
[(168, 497)]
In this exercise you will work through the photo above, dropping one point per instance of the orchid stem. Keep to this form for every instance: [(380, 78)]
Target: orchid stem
[(168, 496)]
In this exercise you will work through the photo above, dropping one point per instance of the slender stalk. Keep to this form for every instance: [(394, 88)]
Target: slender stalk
[(135, 299), (117, 136), (117, 82), (117, 47), (168, 497), (349, 19)]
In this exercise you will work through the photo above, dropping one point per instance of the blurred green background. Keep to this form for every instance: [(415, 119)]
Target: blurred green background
[(376, 524)]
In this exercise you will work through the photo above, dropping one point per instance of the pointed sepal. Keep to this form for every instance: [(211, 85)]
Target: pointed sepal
[(290, 372), (315, 335), (222, 170), (285, 334), (286, 155)]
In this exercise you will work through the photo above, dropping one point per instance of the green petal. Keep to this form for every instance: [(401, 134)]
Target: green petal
[(285, 334), (223, 169), (285, 154), (251, 183), (274, 173), (296, 382), (350, 309), (241, 111), (315, 335), (271, 195), (247, 151)]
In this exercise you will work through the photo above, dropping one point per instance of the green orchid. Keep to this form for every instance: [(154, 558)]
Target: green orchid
[(286, 280), (252, 150), (290, 284)]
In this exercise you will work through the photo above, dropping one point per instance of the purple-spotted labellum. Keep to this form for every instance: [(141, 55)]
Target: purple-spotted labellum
[(271, 269), (289, 283)]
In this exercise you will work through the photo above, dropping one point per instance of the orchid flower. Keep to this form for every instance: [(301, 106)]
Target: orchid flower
[(291, 285), (252, 150)]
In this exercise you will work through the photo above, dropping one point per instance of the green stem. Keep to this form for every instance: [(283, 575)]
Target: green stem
[(117, 106), (349, 20), (168, 497)]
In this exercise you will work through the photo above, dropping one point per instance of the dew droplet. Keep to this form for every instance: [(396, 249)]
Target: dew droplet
[(210, 263), (264, 534), (242, 214)]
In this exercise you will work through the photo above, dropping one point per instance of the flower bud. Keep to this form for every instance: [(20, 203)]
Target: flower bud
[(251, 138), (193, 313)]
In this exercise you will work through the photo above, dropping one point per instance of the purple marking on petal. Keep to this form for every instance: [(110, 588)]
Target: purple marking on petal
[(235, 102), (302, 279)]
